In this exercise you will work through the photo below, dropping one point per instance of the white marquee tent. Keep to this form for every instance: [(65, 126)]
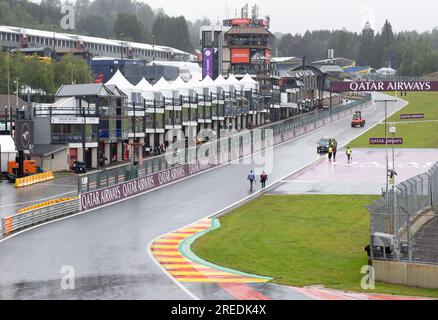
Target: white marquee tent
[(120, 81), (249, 83), (164, 88), (210, 84), (146, 89)]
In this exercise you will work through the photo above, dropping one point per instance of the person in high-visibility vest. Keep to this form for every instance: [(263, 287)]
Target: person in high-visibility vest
[(392, 179), (348, 153), (330, 152)]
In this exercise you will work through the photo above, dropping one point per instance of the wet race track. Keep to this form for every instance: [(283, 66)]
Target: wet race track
[(365, 174), (108, 248)]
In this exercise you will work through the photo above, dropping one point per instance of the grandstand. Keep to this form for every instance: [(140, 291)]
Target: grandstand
[(16, 38)]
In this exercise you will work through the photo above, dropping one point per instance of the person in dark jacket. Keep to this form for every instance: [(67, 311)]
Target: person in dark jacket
[(263, 179)]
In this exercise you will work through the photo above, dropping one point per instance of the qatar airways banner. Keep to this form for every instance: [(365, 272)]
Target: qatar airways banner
[(384, 86), (125, 190)]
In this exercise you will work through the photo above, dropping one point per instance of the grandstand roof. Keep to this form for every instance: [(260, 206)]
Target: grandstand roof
[(76, 37)]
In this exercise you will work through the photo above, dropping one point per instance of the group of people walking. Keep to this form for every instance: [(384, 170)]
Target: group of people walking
[(333, 149), (252, 179)]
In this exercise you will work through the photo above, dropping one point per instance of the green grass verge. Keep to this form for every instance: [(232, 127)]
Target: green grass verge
[(300, 241), (414, 133)]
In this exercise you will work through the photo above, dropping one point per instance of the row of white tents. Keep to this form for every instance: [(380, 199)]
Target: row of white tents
[(183, 88)]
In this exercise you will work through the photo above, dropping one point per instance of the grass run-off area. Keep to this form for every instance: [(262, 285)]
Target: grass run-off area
[(300, 241), (416, 133)]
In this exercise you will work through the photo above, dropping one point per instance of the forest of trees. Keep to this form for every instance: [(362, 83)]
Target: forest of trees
[(127, 20), (411, 53)]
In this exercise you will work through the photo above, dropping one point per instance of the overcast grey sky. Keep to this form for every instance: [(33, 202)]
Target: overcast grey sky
[(299, 15)]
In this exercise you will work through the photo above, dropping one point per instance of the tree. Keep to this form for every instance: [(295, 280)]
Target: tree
[(387, 40), (366, 47), (127, 27), (71, 70), (38, 75)]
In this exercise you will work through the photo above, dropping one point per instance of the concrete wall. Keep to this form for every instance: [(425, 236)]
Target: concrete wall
[(58, 163), (407, 274)]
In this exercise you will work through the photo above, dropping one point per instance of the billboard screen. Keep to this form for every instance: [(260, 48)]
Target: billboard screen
[(242, 21), (23, 134), (207, 63), (239, 55)]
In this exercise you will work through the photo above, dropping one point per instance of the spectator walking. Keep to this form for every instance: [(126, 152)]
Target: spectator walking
[(335, 150), (252, 179), (263, 179)]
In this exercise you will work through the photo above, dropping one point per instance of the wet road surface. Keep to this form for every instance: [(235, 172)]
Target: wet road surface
[(365, 174)]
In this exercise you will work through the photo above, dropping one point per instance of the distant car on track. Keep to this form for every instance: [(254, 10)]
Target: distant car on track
[(323, 145)]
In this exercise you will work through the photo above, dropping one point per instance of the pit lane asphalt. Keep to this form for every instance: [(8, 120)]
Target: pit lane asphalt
[(108, 247)]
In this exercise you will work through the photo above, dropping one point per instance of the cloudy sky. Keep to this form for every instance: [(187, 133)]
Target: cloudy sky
[(299, 15)]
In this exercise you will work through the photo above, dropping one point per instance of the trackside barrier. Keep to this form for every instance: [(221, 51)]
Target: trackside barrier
[(22, 221), (45, 204), (33, 179)]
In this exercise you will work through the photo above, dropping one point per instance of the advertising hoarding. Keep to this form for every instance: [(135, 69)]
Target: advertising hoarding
[(240, 55), (384, 86), (381, 141)]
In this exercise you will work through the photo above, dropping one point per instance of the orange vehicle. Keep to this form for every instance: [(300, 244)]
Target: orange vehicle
[(357, 120), (29, 167)]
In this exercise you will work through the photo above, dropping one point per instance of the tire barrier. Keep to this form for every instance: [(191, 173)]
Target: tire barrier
[(45, 204), (30, 218), (33, 179)]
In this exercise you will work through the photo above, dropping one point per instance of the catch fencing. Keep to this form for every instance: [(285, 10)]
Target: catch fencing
[(236, 144), (404, 225)]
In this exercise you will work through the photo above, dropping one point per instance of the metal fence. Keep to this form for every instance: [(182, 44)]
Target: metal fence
[(236, 143), (404, 225)]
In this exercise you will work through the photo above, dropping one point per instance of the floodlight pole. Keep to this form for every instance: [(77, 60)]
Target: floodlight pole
[(385, 101)]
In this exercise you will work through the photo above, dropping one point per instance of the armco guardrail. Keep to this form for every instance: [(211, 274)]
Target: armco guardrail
[(45, 204), (22, 221), (33, 179)]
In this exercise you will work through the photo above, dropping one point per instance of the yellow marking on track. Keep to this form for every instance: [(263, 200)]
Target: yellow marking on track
[(173, 260), (178, 266), (194, 230), (165, 246), (181, 235), (188, 271), (165, 253), (167, 241)]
